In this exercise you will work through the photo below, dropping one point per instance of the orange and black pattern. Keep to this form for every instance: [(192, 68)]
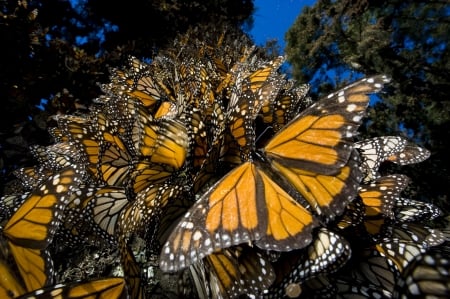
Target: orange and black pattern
[(232, 272), (208, 161), (31, 229), (379, 199), (326, 254)]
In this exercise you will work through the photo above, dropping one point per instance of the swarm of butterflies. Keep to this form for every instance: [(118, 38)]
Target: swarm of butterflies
[(236, 180)]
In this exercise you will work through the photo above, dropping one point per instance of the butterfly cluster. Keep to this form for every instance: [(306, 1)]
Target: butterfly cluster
[(231, 176)]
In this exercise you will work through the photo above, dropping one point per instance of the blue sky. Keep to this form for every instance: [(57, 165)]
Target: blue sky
[(272, 18)]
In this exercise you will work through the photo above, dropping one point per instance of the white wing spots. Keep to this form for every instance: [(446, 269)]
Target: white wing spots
[(197, 235), (225, 237), (187, 224), (60, 188), (56, 180), (378, 85), (357, 118), (166, 249), (351, 107)]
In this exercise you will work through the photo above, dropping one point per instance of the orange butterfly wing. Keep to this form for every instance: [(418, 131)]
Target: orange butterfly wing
[(35, 222), (314, 150), (246, 205), (379, 199), (9, 285), (35, 266)]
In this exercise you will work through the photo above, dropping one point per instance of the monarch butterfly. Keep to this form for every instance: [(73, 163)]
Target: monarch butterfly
[(427, 276), (248, 95), (146, 208), (75, 228), (399, 252), (34, 224), (228, 221), (287, 104), (140, 217), (136, 66), (211, 167), (82, 132), (284, 96), (368, 267), (145, 173), (118, 166), (142, 85), (166, 109), (379, 198), (409, 210), (411, 154), (147, 90), (115, 159), (136, 81), (35, 266), (241, 59), (241, 124), (321, 170), (163, 141), (154, 209), (56, 156), (101, 288), (118, 117), (396, 149), (33, 176), (209, 78), (115, 164), (326, 254), (231, 272), (313, 149), (198, 137), (57, 134), (376, 150), (417, 233), (353, 215), (258, 78), (96, 213), (190, 76), (32, 227)]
